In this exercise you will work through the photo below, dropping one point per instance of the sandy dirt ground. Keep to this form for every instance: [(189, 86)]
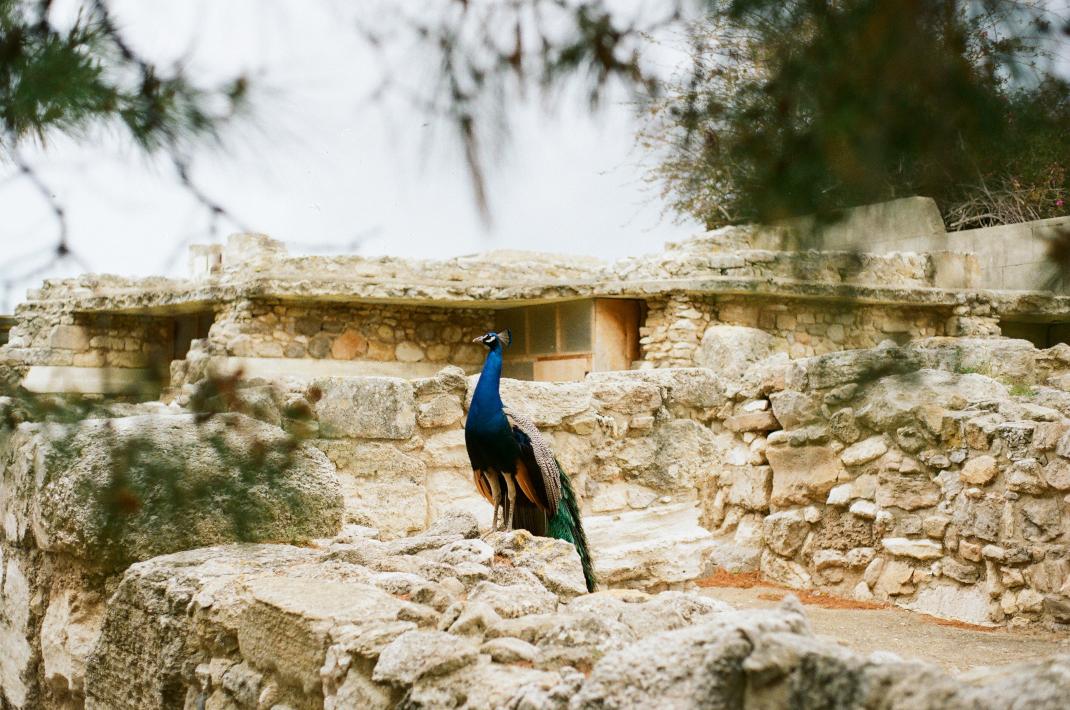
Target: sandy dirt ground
[(866, 628)]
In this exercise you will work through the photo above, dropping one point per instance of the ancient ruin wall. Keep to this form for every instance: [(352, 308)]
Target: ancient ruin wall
[(933, 476), (380, 333), (49, 334), (674, 328)]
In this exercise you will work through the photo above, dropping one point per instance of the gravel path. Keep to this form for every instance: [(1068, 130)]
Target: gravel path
[(954, 647)]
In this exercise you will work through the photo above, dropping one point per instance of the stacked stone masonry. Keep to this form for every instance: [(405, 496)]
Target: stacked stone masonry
[(379, 333)]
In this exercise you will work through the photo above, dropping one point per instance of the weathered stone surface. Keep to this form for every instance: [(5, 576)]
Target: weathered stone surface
[(979, 470), (1057, 474), (416, 654), (731, 349), (511, 601), (803, 474), (864, 451), (554, 562), (439, 411), (510, 650), (952, 601), (920, 549), (891, 402), (69, 631), (183, 492), (547, 403), (752, 421), (751, 487), (366, 408), (794, 409), (893, 579), (786, 572), (907, 492), (785, 532), (664, 544)]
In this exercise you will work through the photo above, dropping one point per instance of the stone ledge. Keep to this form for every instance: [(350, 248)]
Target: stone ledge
[(274, 368), (50, 379)]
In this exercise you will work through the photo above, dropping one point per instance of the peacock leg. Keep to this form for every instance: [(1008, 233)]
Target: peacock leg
[(510, 508), (496, 492)]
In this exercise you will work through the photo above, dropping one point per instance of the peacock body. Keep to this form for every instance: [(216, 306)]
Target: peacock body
[(514, 467)]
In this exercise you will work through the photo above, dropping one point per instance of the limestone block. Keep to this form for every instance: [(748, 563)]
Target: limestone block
[(794, 409), (684, 450), (69, 337), (451, 490), (349, 345), (681, 388), (750, 487), (785, 532), (752, 421), (892, 402), (1057, 474), (554, 562), (548, 403), (1024, 476), (850, 366), (730, 349), (397, 506), (510, 650), (843, 426), (514, 600), (894, 579), (69, 631), (446, 449), (895, 490), (190, 484), (864, 451), (409, 352), (440, 411), (918, 549), (420, 653), (365, 408), (1041, 519), (660, 544), (619, 393), (803, 474), (864, 509), (946, 600), (786, 572), (979, 470)]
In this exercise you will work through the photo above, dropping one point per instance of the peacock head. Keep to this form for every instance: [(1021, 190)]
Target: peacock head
[(495, 340)]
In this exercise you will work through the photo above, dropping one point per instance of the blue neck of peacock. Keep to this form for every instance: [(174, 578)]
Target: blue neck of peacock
[(487, 397)]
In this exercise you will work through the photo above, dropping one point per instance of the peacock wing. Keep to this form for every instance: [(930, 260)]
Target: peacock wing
[(535, 453)]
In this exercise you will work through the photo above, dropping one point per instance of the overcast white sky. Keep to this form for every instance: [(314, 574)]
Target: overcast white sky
[(321, 165)]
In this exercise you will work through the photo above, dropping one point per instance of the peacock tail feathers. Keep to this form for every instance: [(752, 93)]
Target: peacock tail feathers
[(565, 524)]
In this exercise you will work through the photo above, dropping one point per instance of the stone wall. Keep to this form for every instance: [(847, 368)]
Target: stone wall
[(325, 331), (50, 335), (634, 443), (673, 334), (933, 476)]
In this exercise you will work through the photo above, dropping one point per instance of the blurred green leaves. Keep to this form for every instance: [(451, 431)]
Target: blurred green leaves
[(807, 107), (69, 79)]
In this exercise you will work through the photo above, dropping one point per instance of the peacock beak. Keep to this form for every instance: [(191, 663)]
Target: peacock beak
[(478, 339)]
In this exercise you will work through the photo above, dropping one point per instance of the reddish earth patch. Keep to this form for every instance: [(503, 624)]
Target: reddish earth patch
[(956, 624), (741, 580), (825, 601), (748, 580)]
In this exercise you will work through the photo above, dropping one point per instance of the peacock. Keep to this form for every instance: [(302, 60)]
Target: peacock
[(508, 451)]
